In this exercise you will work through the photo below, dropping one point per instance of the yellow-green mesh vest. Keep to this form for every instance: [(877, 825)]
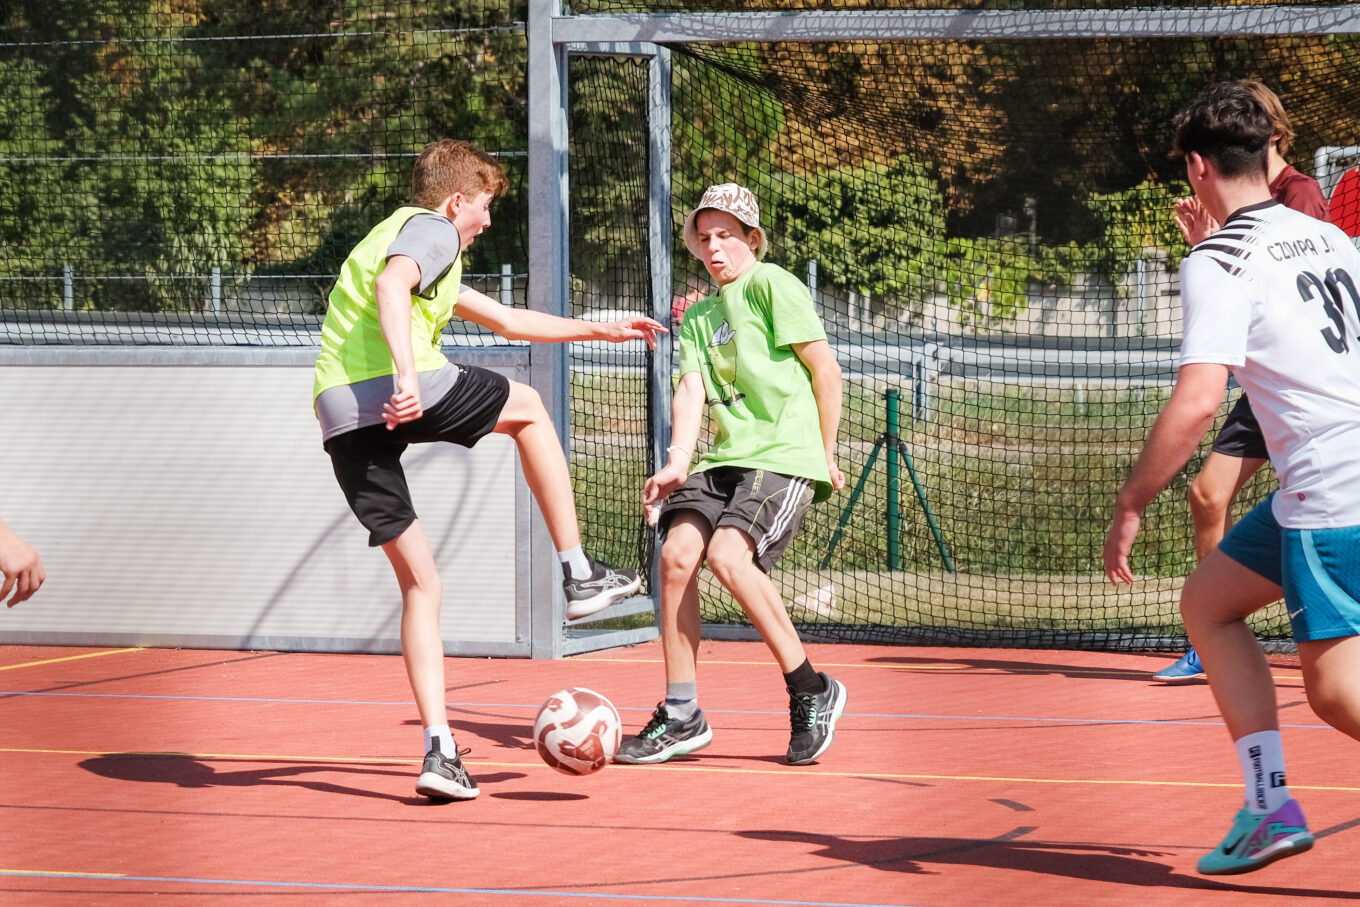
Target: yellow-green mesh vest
[(352, 345)]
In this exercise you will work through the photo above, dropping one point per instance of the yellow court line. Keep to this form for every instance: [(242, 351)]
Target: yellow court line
[(63, 873), (51, 661), (676, 767)]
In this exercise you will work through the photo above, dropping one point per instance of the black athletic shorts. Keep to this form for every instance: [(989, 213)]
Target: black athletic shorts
[(367, 461), (1240, 435), (767, 506)]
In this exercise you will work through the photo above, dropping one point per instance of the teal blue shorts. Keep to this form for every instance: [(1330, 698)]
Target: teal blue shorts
[(1319, 570)]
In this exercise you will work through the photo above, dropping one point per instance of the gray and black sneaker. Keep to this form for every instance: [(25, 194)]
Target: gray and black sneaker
[(813, 721), (664, 737), (602, 588), (444, 778)]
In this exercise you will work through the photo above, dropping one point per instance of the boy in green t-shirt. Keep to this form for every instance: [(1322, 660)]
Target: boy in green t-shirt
[(382, 383), (757, 354)]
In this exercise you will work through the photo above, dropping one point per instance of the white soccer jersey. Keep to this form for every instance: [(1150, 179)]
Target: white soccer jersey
[(1275, 295)]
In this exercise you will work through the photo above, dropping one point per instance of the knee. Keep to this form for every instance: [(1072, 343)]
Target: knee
[(1208, 500), (1331, 707), (679, 561), (728, 561)]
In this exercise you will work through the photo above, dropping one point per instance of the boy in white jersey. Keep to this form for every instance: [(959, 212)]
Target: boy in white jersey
[(383, 384), (1272, 297), (756, 353)]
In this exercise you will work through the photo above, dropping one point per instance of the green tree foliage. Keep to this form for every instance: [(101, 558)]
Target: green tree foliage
[(872, 228)]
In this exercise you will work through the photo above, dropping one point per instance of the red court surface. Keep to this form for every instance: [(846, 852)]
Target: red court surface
[(958, 777)]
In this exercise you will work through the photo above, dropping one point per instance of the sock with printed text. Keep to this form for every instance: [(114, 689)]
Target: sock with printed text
[(1262, 758)]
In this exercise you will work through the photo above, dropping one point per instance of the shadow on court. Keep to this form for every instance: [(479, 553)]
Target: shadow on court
[(1025, 666), (1095, 862), (187, 771), (510, 734)]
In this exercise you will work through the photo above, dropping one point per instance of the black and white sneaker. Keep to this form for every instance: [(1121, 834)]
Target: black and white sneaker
[(664, 737), (444, 778), (813, 721), (602, 588)]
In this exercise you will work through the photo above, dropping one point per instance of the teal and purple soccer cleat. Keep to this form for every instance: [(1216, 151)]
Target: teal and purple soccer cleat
[(1255, 841)]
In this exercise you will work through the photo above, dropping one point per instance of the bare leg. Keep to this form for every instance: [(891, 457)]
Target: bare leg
[(422, 648), (1216, 599), (545, 465), (681, 557), (731, 555), (1331, 674), (1211, 495)]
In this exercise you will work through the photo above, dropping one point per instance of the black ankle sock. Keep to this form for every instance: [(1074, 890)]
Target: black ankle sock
[(805, 679)]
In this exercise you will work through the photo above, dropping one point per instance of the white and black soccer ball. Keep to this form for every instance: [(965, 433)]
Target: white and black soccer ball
[(577, 731)]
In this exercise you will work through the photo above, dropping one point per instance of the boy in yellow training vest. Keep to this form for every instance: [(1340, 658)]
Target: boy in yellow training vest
[(382, 383)]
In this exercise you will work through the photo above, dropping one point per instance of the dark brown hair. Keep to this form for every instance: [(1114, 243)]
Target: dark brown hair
[(1227, 126)]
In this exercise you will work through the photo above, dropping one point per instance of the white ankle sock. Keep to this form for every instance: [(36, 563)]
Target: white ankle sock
[(445, 737), (575, 564), (1262, 758)]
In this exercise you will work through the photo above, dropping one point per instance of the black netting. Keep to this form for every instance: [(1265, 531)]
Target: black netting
[(987, 230), (610, 402)]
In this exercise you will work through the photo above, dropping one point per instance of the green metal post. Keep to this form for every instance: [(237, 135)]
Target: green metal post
[(894, 483)]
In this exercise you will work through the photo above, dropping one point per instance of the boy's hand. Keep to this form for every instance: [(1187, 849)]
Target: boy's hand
[(1118, 544), (1195, 221), (634, 327), (404, 405), (837, 477), (660, 486), (20, 567)]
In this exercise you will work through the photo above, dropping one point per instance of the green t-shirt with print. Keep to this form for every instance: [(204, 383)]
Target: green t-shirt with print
[(740, 341)]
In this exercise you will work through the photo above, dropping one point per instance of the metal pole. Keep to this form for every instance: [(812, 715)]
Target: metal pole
[(549, 290), (215, 283), (893, 399), (68, 287), (660, 230)]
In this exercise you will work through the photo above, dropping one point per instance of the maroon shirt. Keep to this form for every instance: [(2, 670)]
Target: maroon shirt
[(1302, 193)]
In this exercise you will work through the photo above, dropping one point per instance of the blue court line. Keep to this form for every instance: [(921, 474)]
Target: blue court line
[(535, 705), (511, 892)]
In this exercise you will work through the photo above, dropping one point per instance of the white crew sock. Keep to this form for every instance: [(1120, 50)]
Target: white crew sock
[(575, 564), (1262, 758), (445, 737)]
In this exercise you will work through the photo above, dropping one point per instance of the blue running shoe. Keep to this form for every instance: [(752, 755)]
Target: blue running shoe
[(1255, 841), (1188, 668)]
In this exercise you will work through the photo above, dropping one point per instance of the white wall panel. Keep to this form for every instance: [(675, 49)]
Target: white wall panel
[(193, 505)]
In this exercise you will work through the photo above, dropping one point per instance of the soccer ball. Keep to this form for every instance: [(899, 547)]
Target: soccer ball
[(577, 731)]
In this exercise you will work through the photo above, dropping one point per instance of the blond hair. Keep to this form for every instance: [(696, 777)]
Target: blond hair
[(447, 166), (1284, 130)]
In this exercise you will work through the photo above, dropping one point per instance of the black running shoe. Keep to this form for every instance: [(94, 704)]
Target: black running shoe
[(602, 588), (444, 778), (813, 721), (664, 737)]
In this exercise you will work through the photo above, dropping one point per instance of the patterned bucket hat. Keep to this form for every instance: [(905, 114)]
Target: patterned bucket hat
[(734, 200)]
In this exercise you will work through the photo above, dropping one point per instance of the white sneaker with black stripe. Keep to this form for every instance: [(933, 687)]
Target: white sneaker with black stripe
[(602, 588)]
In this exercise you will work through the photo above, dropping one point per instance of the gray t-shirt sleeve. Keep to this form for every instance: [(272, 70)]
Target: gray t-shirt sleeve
[(433, 243)]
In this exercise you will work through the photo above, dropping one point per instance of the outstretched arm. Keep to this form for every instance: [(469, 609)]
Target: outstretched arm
[(20, 567), (820, 360), (1170, 443), (687, 413), (527, 324)]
